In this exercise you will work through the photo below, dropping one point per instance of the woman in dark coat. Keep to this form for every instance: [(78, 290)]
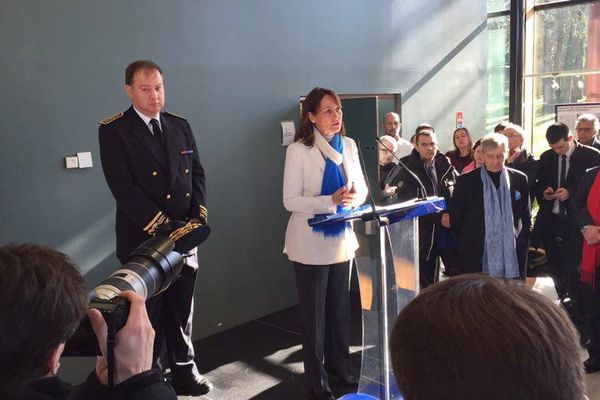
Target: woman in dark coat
[(487, 241)]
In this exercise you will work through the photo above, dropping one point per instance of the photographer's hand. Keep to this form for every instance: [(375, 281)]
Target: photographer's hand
[(133, 347)]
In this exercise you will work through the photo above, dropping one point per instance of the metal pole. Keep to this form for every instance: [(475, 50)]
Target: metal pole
[(384, 307)]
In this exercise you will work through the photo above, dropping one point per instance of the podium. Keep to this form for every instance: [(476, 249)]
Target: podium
[(387, 262)]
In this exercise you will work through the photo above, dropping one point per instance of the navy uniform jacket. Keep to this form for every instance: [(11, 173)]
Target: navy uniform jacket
[(149, 184)]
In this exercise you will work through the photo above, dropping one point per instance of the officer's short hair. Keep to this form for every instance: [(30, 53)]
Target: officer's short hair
[(43, 298), (478, 337), (137, 66)]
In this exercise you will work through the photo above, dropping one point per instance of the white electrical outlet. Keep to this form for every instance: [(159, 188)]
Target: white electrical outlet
[(71, 162), (85, 160)]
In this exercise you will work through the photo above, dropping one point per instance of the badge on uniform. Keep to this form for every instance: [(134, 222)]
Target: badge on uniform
[(183, 152)]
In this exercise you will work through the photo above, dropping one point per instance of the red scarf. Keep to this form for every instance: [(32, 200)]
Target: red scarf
[(591, 252)]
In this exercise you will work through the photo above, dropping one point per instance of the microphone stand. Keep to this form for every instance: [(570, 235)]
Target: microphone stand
[(372, 215), (421, 186)]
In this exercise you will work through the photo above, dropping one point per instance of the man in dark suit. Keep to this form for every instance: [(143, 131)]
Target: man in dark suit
[(152, 168), (438, 177), (560, 171), (468, 208)]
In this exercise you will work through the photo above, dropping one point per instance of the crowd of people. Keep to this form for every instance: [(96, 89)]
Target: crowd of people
[(489, 187)]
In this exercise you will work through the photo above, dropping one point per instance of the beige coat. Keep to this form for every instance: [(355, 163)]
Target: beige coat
[(302, 178)]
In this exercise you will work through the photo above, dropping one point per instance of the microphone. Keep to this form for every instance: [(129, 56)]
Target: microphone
[(421, 186)]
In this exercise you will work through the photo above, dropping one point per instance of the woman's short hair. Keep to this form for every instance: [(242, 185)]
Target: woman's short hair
[(476, 337), (392, 144), (493, 140), (311, 105), (517, 128)]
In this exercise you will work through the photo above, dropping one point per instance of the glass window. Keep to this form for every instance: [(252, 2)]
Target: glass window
[(561, 38), (498, 5), (536, 2), (566, 41), (498, 71)]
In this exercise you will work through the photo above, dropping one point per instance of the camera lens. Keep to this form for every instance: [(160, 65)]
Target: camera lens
[(149, 270)]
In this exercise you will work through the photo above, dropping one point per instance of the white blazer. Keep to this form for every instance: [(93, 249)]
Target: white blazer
[(302, 179)]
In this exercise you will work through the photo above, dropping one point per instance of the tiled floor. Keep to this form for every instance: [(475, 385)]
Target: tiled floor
[(262, 359)]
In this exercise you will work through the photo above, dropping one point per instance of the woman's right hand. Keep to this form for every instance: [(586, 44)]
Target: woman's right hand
[(343, 197)]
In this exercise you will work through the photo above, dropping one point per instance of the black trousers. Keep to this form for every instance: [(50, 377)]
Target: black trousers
[(562, 243), (171, 314), (324, 320)]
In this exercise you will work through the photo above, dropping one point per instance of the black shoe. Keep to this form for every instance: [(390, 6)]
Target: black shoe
[(347, 379), (196, 387), (591, 365), (322, 394)]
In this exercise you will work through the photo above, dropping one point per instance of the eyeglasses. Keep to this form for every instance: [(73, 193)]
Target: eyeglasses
[(584, 129)]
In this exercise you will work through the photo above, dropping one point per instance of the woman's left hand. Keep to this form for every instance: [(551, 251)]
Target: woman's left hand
[(349, 199)]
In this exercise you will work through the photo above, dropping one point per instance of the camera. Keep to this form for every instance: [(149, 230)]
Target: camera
[(149, 270)]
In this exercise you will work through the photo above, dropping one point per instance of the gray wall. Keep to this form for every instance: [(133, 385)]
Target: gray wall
[(234, 69)]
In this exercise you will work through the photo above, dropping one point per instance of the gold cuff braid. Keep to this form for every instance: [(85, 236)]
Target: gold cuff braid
[(184, 230), (159, 219), (203, 212)]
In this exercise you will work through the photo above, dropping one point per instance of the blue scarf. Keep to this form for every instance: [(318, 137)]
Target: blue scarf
[(499, 250), (333, 179)]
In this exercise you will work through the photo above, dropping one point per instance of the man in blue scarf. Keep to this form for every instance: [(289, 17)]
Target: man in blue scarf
[(490, 215)]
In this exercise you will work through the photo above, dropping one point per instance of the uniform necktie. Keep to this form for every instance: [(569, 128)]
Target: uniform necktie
[(158, 133), (562, 210), (433, 179)]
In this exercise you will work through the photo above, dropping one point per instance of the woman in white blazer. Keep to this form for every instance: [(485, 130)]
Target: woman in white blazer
[(322, 176)]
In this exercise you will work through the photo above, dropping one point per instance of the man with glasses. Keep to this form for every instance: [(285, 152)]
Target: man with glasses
[(437, 176), (587, 130)]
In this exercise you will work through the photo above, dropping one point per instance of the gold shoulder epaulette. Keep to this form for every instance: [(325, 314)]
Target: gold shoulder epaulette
[(112, 118), (175, 115)]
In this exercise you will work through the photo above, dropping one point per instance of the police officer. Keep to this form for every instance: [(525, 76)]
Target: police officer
[(152, 168)]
